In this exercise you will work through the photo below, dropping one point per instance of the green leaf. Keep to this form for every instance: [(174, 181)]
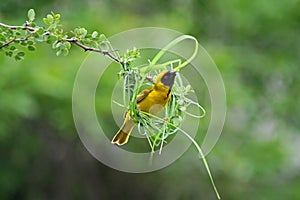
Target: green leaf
[(83, 32), (39, 39), (103, 45), (2, 37), (37, 35), (58, 53), (56, 45), (41, 31), (94, 34), (56, 17), (23, 43), (18, 58), (68, 45), (9, 53), (46, 21), (9, 32), (51, 39), (31, 48), (30, 42), (13, 48), (50, 18), (33, 24), (65, 52), (31, 14), (21, 54), (102, 37)]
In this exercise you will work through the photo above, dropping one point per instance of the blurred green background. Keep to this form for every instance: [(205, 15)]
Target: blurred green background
[(256, 46)]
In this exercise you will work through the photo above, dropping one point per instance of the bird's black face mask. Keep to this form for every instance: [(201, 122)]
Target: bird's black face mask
[(168, 78)]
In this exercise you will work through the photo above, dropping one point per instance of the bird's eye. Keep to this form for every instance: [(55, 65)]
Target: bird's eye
[(166, 77)]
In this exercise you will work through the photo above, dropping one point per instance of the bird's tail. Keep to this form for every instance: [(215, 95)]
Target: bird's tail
[(123, 134)]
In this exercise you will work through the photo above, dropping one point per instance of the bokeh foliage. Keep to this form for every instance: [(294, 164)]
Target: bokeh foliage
[(255, 44)]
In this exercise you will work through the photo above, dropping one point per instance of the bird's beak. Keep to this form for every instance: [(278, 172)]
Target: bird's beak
[(173, 73)]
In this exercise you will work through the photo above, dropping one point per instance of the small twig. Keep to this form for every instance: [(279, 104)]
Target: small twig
[(71, 40), (87, 48), (7, 43)]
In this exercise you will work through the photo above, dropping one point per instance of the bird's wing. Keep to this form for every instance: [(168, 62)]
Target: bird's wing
[(141, 96)]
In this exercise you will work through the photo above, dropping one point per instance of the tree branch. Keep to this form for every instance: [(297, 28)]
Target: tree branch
[(16, 27), (71, 40)]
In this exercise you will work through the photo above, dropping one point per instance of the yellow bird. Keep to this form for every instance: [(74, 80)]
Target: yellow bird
[(151, 100)]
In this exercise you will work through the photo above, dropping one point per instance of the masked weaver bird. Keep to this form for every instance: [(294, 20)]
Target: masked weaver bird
[(151, 100)]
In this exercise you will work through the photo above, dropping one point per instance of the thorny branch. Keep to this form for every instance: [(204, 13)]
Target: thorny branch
[(87, 48)]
